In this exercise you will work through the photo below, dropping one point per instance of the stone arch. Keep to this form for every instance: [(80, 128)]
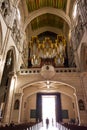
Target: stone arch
[(12, 48), (50, 10), (44, 29), (5, 81), (26, 97), (8, 67), (83, 57), (32, 85)]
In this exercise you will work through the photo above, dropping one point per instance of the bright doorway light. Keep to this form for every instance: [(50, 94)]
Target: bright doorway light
[(48, 108)]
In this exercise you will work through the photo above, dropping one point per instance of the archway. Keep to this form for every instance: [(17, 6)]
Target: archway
[(5, 81), (48, 109), (44, 10), (68, 101)]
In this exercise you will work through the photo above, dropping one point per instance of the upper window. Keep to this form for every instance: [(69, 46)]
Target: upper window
[(74, 11), (16, 104)]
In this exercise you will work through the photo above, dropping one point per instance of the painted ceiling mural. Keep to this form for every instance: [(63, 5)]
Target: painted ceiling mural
[(47, 20), (36, 4)]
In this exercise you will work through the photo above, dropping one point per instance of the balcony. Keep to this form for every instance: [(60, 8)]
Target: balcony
[(38, 70)]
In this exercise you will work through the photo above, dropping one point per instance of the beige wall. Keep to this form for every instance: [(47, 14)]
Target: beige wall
[(30, 103), (67, 104), (27, 104)]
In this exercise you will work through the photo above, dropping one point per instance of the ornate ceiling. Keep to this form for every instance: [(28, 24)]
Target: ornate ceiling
[(31, 12), (36, 4), (40, 16), (47, 20)]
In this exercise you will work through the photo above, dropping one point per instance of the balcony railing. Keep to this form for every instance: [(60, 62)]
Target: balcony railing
[(38, 70)]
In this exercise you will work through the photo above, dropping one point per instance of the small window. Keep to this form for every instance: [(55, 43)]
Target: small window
[(81, 105), (16, 104)]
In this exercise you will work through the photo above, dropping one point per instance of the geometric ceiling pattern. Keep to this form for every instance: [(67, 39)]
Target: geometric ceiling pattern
[(47, 20), (37, 4)]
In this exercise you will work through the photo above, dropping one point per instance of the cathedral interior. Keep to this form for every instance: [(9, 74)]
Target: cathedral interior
[(43, 52)]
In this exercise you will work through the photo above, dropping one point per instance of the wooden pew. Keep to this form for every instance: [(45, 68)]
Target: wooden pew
[(75, 127)]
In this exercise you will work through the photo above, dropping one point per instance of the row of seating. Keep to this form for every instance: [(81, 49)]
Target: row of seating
[(75, 127), (27, 126)]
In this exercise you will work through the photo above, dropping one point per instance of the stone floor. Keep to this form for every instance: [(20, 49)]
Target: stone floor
[(49, 128)]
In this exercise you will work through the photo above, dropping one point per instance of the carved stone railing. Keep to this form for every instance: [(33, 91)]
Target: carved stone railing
[(38, 70), (29, 71), (66, 70)]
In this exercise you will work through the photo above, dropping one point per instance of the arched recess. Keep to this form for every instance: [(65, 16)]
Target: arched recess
[(16, 104), (0, 37), (44, 29), (30, 92), (83, 57), (49, 10), (5, 81)]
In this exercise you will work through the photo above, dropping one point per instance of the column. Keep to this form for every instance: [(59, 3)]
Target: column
[(8, 106)]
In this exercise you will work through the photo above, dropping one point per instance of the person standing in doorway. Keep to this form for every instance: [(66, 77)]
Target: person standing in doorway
[(52, 122), (47, 123)]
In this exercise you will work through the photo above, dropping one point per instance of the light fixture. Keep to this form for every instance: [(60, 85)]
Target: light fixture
[(48, 84)]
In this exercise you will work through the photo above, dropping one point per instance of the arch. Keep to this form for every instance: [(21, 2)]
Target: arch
[(12, 48), (39, 86), (44, 29), (26, 97), (49, 10), (8, 67), (5, 81), (43, 81)]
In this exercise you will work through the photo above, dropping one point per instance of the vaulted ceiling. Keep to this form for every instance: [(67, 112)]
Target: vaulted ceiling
[(57, 18), (36, 4), (47, 20)]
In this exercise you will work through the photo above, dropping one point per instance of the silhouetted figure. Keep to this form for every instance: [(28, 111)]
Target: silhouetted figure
[(47, 123), (52, 122)]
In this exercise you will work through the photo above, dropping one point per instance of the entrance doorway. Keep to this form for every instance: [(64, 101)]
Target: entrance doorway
[(48, 109)]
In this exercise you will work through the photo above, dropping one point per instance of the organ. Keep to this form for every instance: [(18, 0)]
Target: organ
[(47, 51)]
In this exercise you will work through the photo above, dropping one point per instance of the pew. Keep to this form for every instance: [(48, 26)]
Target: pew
[(25, 126), (75, 127)]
